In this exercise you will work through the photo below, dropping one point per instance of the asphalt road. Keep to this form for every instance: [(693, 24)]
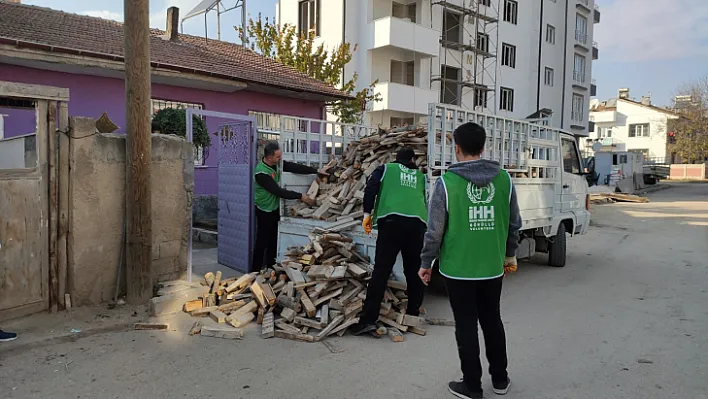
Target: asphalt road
[(626, 318)]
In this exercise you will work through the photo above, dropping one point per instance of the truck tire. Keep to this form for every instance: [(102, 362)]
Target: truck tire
[(557, 248)]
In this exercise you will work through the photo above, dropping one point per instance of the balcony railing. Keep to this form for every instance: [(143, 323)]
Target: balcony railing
[(581, 37), (595, 51), (596, 14), (579, 76)]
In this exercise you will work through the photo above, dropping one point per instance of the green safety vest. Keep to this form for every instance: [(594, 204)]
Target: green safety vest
[(402, 192), (474, 245), (266, 201)]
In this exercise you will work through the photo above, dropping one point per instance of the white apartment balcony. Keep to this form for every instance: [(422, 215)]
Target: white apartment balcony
[(404, 98), (603, 116), (405, 35), (581, 39)]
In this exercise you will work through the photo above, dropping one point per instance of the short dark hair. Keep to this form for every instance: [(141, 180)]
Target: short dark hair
[(471, 138), (405, 154), (270, 148)]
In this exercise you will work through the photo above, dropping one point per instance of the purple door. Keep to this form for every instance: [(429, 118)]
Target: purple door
[(237, 159)]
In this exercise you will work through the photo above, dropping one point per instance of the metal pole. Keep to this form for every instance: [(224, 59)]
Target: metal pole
[(218, 22), (244, 39)]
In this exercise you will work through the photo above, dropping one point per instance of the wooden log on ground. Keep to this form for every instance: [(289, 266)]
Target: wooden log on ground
[(151, 326), (268, 326), (221, 332)]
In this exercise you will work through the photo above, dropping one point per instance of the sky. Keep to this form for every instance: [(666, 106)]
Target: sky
[(650, 46)]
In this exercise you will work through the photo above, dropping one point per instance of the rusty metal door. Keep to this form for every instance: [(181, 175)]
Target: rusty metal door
[(26, 194)]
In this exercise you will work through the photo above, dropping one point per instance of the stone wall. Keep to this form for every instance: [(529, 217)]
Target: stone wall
[(97, 209)]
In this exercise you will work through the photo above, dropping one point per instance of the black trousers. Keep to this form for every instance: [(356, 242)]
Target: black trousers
[(473, 300), (396, 234), (266, 248)]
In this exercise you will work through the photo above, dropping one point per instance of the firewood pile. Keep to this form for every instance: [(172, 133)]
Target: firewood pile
[(339, 200), (316, 292)]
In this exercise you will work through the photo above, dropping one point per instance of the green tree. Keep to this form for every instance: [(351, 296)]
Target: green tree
[(688, 134), (283, 44), (174, 121)]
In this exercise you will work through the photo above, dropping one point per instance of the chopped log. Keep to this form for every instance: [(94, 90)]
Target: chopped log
[(209, 279), (338, 320), (397, 285), (216, 283), (221, 332), (241, 320), (392, 323), (243, 281), (416, 330), (190, 306), (413, 321), (268, 326), (294, 337), (232, 306), (395, 335), (196, 328), (310, 308), (203, 311), (151, 326), (218, 316), (313, 190), (288, 314)]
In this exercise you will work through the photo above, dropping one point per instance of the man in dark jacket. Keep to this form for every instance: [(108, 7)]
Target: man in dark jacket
[(473, 229), (394, 202), (267, 199)]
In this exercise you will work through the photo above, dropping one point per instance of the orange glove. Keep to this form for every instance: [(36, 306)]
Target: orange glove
[(510, 265), (367, 224)]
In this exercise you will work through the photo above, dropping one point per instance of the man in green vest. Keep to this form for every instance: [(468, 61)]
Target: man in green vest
[(395, 194), (267, 198), (473, 230)]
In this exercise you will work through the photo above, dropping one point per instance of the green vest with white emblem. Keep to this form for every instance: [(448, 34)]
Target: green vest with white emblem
[(266, 201), (474, 245), (402, 192)]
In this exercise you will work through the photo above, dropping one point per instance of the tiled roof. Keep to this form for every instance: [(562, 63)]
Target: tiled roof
[(58, 31)]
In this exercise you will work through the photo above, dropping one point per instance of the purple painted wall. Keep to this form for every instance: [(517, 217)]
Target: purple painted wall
[(93, 95)]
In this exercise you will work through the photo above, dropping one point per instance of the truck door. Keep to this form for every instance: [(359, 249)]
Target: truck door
[(571, 190)]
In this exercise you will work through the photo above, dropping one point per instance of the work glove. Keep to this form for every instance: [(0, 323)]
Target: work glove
[(368, 223), (510, 265)]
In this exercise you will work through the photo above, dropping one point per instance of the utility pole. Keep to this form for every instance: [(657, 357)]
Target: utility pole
[(138, 152)]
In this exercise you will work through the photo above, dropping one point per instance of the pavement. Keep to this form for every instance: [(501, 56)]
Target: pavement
[(626, 318)]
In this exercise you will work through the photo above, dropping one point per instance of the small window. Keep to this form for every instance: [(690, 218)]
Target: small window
[(403, 72), (604, 132), (549, 77), (158, 104), (571, 161), (577, 112), (506, 102), (511, 11), (402, 121), (483, 42), (404, 11), (550, 34), (487, 3), (309, 16), (639, 130), (480, 98), (452, 30), (508, 55), (450, 86), (579, 68)]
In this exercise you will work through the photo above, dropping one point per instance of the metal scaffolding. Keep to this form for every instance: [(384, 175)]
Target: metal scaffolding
[(478, 22)]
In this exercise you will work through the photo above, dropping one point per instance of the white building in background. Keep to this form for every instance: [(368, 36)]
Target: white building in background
[(512, 58), (624, 124)]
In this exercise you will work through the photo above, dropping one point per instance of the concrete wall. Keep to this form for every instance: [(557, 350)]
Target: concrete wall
[(97, 209), (92, 95), (688, 172)]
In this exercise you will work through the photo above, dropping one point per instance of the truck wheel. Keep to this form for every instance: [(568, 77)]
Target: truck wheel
[(556, 249)]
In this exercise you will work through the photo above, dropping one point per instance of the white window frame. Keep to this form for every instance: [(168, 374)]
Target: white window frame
[(480, 98), (483, 42), (311, 7), (550, 34), (577, 113), (604, 132), (635, 131), (508, 55), (506, 99), (549, 76), (581, 28), (579, 65), (511, 12)]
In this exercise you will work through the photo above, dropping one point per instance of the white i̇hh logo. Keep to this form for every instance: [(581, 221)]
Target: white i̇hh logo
[(481, 216), (408, 177)]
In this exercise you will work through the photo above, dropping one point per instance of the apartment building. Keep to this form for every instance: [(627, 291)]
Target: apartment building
[(516, 58), (625, 124)]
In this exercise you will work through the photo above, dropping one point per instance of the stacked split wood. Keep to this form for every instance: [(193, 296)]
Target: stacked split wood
[(339, 199), (316, 292)]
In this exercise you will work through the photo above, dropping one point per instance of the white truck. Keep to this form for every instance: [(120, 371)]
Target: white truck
[(544, 162)]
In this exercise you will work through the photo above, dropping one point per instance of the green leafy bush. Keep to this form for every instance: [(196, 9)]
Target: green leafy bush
[(174, 121)]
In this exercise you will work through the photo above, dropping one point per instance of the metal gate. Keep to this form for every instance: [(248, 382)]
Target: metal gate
[(236, 161)]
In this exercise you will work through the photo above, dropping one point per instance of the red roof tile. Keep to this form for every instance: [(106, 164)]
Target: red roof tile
[(23, 25)]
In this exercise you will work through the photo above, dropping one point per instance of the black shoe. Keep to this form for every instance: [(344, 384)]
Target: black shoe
[(501, 388), (459, 389), (7, 336), (359, 329)]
